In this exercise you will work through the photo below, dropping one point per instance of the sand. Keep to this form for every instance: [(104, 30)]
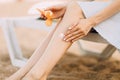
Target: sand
[(85, 68), (70, 67)]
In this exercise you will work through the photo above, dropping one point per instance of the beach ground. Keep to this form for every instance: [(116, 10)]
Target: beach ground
[(73, 66), (70, 67)]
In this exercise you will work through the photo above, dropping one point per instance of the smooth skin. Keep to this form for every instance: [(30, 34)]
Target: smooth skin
[(49, 59), (33, 59), (40, 50), (93, 20), (83, 26)]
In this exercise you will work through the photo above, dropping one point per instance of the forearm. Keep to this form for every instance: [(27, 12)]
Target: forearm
[(106, 13)]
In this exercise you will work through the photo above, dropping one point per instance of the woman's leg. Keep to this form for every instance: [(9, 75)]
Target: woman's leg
[(57, 47), (33, 59)]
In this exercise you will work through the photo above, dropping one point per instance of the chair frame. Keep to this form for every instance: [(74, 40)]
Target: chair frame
[(95, 37), (15, 53)]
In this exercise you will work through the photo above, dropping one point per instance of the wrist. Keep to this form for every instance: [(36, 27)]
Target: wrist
[(92, 21), (97, 19)]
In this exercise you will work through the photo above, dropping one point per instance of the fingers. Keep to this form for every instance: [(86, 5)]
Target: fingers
[(78, 36), (76, 39), (45, 14), (72, 34), (73, 26), (43, 17), (42, 14), (71, 29)]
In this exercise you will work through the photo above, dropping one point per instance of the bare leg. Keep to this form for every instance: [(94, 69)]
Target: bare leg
[(57, 47), (33, 59)]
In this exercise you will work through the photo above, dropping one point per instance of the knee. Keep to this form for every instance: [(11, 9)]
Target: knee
[(72, 4), (75, 7)]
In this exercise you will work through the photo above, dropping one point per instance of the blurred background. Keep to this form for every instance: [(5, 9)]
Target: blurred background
[(30, 38)]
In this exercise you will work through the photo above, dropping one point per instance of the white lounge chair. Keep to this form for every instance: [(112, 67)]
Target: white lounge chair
[(8, 26), (16, 57), (15, 52), (95, 37)]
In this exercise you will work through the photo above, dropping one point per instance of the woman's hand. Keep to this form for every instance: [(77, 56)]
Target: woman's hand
[(57, 10), (79, 30)]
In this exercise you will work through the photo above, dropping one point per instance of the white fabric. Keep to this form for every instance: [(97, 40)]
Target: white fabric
[(109, 29)]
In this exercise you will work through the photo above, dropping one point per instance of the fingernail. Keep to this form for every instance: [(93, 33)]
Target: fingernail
[(64, 39)]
